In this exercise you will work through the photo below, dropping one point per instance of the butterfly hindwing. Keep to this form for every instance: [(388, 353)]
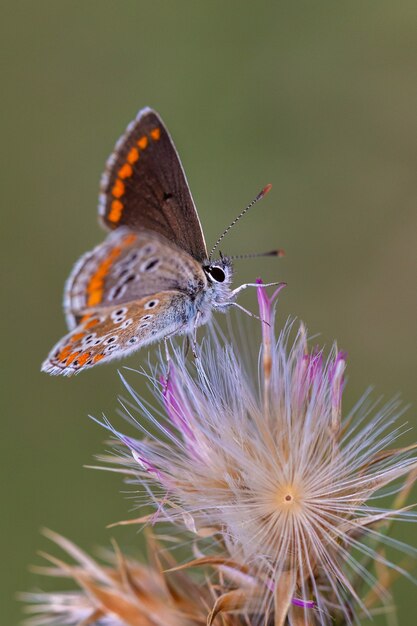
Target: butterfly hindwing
[(126, 267), (144, 187), (112, 332)]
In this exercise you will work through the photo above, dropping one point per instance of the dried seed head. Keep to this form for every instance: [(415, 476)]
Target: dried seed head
[(119, 592)]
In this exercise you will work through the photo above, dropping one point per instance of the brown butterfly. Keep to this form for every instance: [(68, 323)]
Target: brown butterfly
[(152, 277)]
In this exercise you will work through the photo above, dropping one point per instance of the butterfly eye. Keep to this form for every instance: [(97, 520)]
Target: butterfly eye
[(216, 273)]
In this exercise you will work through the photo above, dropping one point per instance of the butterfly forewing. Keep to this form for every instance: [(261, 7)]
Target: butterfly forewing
[(127, 267), (144, 187), (112, 332)]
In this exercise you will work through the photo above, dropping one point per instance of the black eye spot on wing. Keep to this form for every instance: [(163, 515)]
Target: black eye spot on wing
[(117, 291), (151, 264), (131, 258), (120, 288)]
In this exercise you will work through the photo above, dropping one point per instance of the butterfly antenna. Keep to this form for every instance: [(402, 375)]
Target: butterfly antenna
[(260, 195), (279, 253)]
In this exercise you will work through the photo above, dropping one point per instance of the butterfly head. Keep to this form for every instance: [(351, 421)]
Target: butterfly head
[(219, 275)]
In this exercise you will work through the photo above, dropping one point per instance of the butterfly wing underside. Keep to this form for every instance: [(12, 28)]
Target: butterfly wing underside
[(125, 268), (107, 333), (139, 285), (144, 187)]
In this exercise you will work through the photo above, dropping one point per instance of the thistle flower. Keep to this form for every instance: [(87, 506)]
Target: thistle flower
[(118, 593), (282, 484)]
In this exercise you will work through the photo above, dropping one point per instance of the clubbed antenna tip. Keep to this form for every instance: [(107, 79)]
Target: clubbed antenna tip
[(264, 191), (279, 253)]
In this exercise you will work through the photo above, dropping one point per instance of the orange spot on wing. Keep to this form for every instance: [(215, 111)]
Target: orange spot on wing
[(72, 357), (92, 323), (84, 358), (95, 297), (76, 337), (115, 251), (133, 156), (143, 142), (66, 350), (95, 283), (85, 318), (129, 239), (125, 171), (98, 358), (118, 188), (116, 211), (95, 286), (156, 134)]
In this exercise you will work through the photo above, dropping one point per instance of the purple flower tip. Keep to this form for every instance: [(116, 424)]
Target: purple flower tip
[(265, 302), (145, 464), (307, 604), (176, 405)]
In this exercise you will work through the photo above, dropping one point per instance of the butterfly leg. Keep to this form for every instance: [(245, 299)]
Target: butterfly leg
[(236, 291), (167, 355), (194, 336), (173, 334), (242, 308)]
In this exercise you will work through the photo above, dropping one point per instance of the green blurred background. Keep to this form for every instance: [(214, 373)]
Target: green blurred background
[(318, 98)]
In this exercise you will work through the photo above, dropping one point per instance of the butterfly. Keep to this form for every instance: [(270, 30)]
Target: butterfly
[(152, 278)]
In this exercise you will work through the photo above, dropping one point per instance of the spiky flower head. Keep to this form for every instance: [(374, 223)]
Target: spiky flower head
[(118, 591), (274, 472)]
